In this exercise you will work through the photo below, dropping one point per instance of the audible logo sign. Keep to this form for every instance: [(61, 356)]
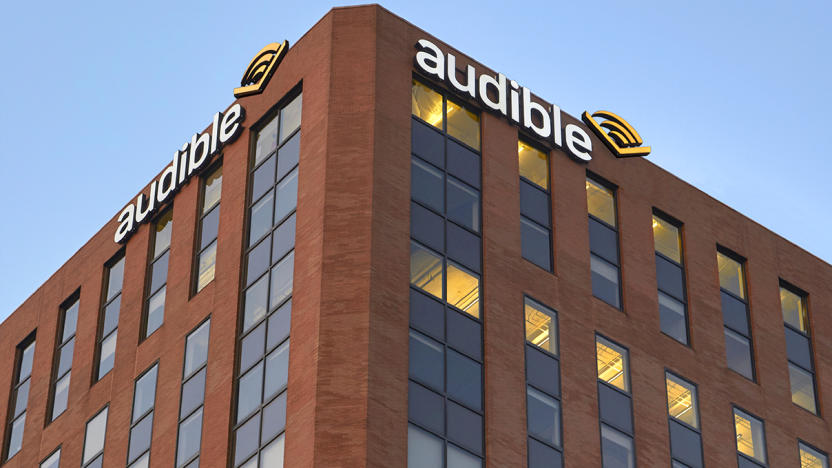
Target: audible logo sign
[(514, 102)]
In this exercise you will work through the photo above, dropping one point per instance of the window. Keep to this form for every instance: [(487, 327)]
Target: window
[(24, 356), (811, 457), (157, 277), (683, 421), (751, 438), (614, 404), (535, 206), (105, 348), (62, 367), (263, 346), (738, 343), (209, 221), (603, 242), (445, 390), (799, 348), (141, 425), (543, 412), (193, 396), (94, 440), (670, 279), (52, 461)]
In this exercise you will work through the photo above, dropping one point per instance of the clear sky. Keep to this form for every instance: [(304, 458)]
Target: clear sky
[(734, 98)]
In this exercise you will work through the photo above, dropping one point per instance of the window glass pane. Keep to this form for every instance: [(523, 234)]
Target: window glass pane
[(426, 104), (94, 439), (429, 144), (290, 117), (164, 226), (604, 281), (274, 418), (26, 362), (428, 316), (738, 354), (734, 313), (423, 449), (616, 448), (210, 227), (612, 362), (681, 400), (427, 361), (603, 241), (277, 370), (111, 316), (266, 141), (751, 439), (258, 261), (463, 205), (196, 348), (600, 202), (463, 125), (108, 354), (463, 290), (159, 272), (190, 431), (426, 185), (463, 163), (670, 278), (464, 380), (247, 439), (253, 347), (16, 437), (615, 408), (272, 455), (213, 189), (463, 246), (256, 299), (156, 311), (261, 218), (730, 275), (98, 462), (287, 196), (794, 310), (140, 438), (798, 349), (667, 239), (543, 456), (534, 165), (536, 244), (193, 394), (22, 398), (52, 461), (425, 407), (59, 402), (250, 392), (534, 203), (464, 427), (541, 326), (282, 280), (672, 318), (115, 279), (811, 458), (685, 445), (425, 270), (458, 458), (427, 227), (287, 157), (464, 334), (263, 178), (542, 371), (145, 393), (543, 414), (803, 388), (207, 266), (284, 238), (70, 320), (279, 324)]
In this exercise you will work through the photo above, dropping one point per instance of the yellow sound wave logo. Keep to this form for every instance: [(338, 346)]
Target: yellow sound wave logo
[(621, 138), (261, 68)]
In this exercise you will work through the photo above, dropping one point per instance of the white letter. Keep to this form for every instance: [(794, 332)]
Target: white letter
[(141, 213), (470, 86), (214, 132), (430, 53), (198, 146), (556, 126), (577, 140), (167, 182), (499, 84), (125, 226), (230, 127), (544, 131)]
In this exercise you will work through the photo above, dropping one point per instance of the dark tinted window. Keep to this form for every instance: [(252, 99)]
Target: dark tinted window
[(534, 203), (542, 371), (603, 241), (464, 247), (615, 408), (536, 244), (464, 163), (427, 227), (465, 427), (426, 408)]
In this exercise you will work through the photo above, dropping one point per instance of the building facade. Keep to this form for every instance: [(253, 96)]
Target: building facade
[(386, 254)]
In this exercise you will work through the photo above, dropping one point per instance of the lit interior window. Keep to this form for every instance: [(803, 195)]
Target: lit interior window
[(794, 310), (667, 239), (730, 275), (750, 437), (534, 164), (600, 202), (681, 400), (463, 125), (811, 458), (426, 104), (541, 329), (425, 270), (463, 290), (612, 364)]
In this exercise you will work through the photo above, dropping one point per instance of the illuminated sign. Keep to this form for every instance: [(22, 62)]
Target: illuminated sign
[(507, 98), (261, 68)]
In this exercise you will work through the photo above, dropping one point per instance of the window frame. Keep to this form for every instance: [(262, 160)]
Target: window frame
[(550, 205), (216, 165), (51, 454), (734, 409), (15, 384), (668, 371), (802, 443), (150, 412), (54, 378), (682, 266), (152, 258), (100, 453), (809, 337), (720, 249), (628, 394), (619, 267), (104, 302)]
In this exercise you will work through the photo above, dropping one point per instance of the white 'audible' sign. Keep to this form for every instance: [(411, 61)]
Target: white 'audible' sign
[(507, 98), (186, 162)]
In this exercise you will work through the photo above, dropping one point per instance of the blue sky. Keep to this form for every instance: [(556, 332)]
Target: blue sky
[(732, 96)]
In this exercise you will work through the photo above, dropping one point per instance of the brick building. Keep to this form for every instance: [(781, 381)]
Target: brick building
[(377, 262)]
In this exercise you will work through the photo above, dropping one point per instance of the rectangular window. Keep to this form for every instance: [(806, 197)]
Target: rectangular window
[(263, 346), (94, 440), (209, 221), (683, 422), (670, 278), (141, 424), (543, 410), (105, 348), (193, 396), (751, 439), (811, 457), (24, 356), (157, 273), (739, 348), (445, 410), (603, 242), (615, 405), (801, 358), (535, 206), (52, 461), (62, 361)]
